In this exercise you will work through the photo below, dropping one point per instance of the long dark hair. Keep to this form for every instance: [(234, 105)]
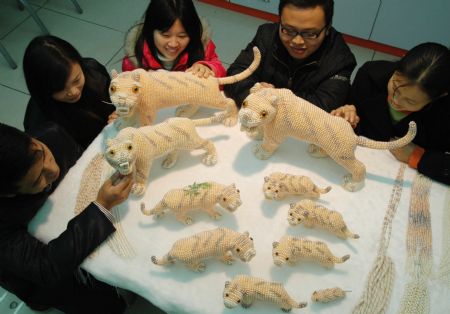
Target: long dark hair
[(327, 5), (427, 65), (15, 156), (160, 15), (47, 65)]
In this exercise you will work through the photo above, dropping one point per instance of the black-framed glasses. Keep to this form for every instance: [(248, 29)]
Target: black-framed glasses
[(306, 35)]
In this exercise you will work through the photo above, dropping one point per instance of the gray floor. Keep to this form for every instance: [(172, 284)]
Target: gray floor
[(99, 33)]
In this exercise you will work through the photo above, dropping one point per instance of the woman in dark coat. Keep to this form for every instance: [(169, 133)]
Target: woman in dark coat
[(65, 88), (386, 96)]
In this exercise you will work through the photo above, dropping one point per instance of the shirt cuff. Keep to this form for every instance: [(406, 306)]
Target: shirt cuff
[(415, 157), (106, 212)]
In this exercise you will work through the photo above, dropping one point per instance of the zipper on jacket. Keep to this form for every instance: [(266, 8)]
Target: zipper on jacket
[(291, 75)]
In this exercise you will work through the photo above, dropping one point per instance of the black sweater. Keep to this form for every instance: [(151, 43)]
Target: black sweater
[(369, 95), (323, 78), (82, 120)]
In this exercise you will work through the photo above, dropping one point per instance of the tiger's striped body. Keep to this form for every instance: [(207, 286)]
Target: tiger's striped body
[(201, 196), (221, 243), (277, 113), (279, 185), (291, 250), (138, 94), (134, 149), (245, 289), (311, 215)]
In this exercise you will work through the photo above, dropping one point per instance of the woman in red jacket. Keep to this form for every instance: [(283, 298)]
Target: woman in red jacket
[(172, 38), (386, 96)]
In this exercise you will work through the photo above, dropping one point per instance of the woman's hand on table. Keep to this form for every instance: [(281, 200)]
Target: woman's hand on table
[(348, 112), (115, 190)]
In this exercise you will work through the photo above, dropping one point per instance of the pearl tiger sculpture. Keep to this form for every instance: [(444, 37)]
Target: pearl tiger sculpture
[(221, 243), (245, 289), (291, 250), (139, 94), (276, 114), (201, 196), (134, 149), (280, 185), (311, 215), (328, 295)]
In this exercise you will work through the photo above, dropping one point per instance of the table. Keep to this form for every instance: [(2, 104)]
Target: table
[(176, 289)]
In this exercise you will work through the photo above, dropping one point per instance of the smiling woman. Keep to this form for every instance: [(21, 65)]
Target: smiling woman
[(65, 88), (172, 37), (386, 96)]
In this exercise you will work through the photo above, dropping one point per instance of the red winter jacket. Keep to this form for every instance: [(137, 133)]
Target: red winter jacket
[(211, 60)]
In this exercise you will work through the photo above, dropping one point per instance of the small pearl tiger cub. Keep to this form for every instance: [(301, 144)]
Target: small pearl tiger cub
[(279, 185), (311, 215), (291, 250), (245, 289), (222, 243), (201, 196), (328, 295)]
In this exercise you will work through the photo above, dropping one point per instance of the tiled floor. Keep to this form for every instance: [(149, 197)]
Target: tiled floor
[(99, 33)]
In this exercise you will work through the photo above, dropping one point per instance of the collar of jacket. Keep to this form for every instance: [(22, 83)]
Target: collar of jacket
[(151, 62)]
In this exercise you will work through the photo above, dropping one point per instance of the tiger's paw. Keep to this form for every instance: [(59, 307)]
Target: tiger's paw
[(350, 185), (169, 162), (137, 189), (230, 121), (260, 152), (209, 159), (316, 152), (185, 111)]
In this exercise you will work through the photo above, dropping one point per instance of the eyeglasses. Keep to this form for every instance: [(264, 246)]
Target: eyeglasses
[(306, 35)]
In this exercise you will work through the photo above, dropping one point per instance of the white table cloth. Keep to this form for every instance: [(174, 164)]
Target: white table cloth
[(176, 289)]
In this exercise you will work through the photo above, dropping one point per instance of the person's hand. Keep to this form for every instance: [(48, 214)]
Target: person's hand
[(113, 116), (200, 70), (348, 112), (115, 190), (403, 153), (267, 85)]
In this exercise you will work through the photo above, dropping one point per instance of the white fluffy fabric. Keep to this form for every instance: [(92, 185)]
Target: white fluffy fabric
[(175, 289)]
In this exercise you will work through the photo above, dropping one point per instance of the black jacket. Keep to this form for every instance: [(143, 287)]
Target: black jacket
[(28, 267), (82, 120), (323, 78), (369, 95)]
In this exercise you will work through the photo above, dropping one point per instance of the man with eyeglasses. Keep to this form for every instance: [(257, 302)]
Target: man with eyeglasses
[(302, 52)]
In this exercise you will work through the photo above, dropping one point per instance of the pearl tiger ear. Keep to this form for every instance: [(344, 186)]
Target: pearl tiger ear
[(114, 73), (273, 100), (275, 244), (136, 76), (255, 88)]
